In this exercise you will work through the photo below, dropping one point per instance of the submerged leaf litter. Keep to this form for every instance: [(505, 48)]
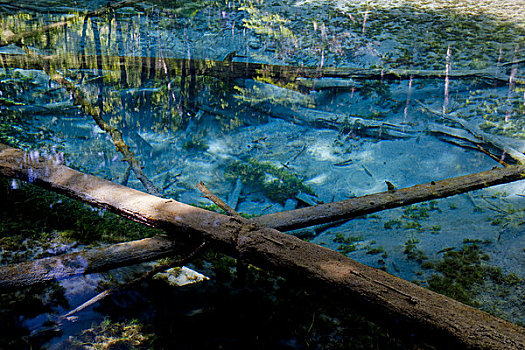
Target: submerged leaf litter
[(267, 145)]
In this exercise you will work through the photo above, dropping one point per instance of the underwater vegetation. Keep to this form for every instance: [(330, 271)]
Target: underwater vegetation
[(346, 244), (413, 216), (107, 334), (278, 184), (463, 274), (35, 223)]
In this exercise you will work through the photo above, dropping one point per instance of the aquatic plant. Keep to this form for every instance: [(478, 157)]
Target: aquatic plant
[(463, 273), (413, 252), (346, 244), (195, 143), (33, 221), (108, 334), (278, 184)]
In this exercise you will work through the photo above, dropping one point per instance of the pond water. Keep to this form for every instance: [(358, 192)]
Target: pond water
[(277, 105)]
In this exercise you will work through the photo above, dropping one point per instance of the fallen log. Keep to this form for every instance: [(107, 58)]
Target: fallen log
[(444, 319), (90, 261), (300, 218)]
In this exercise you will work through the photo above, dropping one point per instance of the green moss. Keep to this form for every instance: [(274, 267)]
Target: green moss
[(347, 244), (374, 251), (462, 273), (435, 228), (31, 217), (114, 335), (412, 252), (195, 143), (278, 184), (393, 223)]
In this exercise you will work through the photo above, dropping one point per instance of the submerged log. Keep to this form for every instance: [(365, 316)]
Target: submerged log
[(484, 137), (445, 319), (90, 261)]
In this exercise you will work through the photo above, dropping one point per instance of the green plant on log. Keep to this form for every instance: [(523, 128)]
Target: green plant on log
[(278, 184)]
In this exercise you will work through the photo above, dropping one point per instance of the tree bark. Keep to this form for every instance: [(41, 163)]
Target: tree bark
[(158, 247), (445, 319), (350, 208)]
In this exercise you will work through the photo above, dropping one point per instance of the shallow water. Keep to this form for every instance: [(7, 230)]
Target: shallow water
[(328, 137)]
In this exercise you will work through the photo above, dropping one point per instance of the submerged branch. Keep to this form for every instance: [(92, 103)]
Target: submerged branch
[(476, 131), (89, 261), (157, 269), (116, 135)]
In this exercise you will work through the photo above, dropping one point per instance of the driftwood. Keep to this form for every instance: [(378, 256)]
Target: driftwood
[(445, 319)]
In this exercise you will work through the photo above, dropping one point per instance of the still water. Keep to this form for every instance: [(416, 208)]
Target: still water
[(274, 105)]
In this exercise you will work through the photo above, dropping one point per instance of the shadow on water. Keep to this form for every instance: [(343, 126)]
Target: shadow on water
[(160, 73)]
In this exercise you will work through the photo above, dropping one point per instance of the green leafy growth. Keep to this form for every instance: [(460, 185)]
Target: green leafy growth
[(278, 184), (462, 272), (31, 217), (413, 252), (347, 244)]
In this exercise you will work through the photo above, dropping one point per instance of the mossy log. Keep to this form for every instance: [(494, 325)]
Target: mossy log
[(445, 319)]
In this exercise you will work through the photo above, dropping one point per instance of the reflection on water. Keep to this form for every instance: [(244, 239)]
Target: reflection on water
[(278, 105)]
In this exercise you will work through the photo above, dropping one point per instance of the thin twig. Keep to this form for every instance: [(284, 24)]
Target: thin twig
[(219, 202)]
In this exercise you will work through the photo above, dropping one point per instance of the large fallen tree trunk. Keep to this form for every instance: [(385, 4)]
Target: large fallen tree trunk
[(158, 247), (445, 318)]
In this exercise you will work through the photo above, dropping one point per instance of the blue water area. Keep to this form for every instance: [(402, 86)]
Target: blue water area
[(274, 105)]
